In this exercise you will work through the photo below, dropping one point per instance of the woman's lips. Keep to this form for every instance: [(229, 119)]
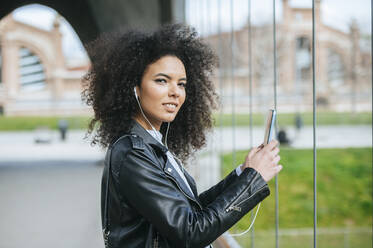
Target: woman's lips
[(170, 107)]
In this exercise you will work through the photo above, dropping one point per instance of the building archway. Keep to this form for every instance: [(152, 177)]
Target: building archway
[(37, 77), (102, 15)]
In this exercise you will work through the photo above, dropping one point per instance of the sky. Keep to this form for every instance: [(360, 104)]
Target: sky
[(336, 13), (42, 17)]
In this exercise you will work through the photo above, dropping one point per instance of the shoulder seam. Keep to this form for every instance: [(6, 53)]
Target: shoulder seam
[(136, 141)]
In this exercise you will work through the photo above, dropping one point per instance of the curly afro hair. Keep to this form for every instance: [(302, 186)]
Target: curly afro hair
[(118, 63)]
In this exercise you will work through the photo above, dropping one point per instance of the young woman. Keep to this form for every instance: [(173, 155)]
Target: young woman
[(152, 98)]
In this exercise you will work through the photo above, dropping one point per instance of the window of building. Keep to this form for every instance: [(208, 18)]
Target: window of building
[(32, 76), (335, 68), (303, 59), (298, 16)]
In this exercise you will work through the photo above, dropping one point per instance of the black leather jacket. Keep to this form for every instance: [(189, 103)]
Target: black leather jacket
[(149, 204)]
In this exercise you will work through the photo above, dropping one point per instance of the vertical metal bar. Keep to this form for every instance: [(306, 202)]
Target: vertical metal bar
[(371, 57), (275, 107), (197, 16), (214, 177), (314, 128), (202, 18), (250, 77), (204, 26), (199, 13), (220, 49), (208, 15), (252, 234), (233, 88), (186, 12), (189, 13), (193, 16), (353, 75)]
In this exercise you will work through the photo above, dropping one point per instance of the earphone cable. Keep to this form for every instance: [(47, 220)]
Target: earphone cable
[(142, 112), (156, 132), (251, 225), (165, 140)]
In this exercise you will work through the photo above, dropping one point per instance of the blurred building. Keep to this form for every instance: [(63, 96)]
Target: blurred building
[(343, 70), (35, 78)]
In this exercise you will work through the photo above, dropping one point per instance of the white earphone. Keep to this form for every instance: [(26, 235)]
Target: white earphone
[(134, 89), (156, 132), (143, 114)]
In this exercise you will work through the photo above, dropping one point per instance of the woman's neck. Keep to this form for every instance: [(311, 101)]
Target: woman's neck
[(145, 124)]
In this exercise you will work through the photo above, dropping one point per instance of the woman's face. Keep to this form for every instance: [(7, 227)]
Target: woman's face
[(162, 91)]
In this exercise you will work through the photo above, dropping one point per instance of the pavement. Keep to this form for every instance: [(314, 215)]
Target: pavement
[(46, 205), (326, 137), (21, 146)]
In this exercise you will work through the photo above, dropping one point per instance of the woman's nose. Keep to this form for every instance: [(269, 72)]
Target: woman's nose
[(173, 89)]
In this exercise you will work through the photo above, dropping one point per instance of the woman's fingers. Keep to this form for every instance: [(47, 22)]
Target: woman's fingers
[(275, 151), (253, 151), (249, 157), (271, 145), (277, 169), (270, 154), (276, 160), (265, 160)]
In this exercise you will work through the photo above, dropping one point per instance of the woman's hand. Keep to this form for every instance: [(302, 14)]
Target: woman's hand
[(264, 159)]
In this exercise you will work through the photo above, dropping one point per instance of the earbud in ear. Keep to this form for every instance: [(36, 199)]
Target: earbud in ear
[(134, 89)]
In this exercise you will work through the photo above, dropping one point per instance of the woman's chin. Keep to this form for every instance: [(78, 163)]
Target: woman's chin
[(169, 118)]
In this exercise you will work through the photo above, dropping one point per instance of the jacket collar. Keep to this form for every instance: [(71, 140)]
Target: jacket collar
[(137, 129), (147, 137)]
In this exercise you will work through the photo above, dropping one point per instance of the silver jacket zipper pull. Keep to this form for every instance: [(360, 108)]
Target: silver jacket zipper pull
[(235, 208)]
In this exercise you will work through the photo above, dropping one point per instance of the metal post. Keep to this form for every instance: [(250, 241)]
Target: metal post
[(275, 107), (314, 129), (252, 234), (233, 89), (371, 60), (220, 48)]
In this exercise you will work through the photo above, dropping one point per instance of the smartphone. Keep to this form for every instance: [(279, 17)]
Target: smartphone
[(271, 120)]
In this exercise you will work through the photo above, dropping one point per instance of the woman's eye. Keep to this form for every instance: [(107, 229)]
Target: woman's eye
[(182, 84), (160, 80)]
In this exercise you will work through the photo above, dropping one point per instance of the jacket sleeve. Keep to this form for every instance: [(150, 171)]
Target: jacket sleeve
[(157, 198), (209, 195)]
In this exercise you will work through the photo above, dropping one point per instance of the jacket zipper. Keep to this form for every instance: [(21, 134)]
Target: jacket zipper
[(236, 207), (156, 241), (177, 184), (106, 237)]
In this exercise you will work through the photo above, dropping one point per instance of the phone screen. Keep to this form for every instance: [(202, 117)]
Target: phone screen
[(270, 126)]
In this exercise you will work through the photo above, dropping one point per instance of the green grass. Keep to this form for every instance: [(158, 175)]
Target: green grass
[(31, 122), (344, 195), (361, 238), (286, 119), (344, 189)]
